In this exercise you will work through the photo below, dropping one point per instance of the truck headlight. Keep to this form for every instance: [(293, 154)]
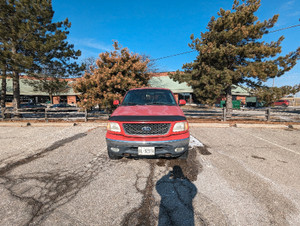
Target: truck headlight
[(180, 126), (113, 126)]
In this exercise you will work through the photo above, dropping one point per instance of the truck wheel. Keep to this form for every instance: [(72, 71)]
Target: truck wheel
[(184, 155), (112, 156)]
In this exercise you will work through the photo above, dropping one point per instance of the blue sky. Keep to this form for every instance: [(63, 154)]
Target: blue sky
[(161, 28)]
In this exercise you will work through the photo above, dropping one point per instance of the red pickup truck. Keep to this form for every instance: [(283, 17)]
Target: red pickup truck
[(148, 123)]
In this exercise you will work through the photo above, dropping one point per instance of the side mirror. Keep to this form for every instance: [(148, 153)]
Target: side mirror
[(116, 102), (182, 102)]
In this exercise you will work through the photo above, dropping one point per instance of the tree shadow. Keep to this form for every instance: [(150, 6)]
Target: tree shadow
[(177, 193), (44, 192)]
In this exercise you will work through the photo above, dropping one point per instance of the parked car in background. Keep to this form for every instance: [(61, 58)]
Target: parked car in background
[(32, 107), (148, 123), (282, 103), (63, 107)]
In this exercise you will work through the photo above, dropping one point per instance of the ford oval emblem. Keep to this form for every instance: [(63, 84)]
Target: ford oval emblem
[(146, 128)]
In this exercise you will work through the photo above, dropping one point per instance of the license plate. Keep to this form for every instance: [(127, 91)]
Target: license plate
[(146, 150)]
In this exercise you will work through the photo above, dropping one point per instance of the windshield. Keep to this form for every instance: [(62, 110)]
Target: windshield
[(149, 97)]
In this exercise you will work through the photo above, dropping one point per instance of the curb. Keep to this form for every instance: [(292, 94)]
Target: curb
[(50, 124), (296, 126), (211, 125), (243, 125), (269, 126)]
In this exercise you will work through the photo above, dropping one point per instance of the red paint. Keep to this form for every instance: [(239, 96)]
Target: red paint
[(148, 110)]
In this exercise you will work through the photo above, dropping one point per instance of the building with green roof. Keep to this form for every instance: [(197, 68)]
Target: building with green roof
[(158, 80), (183, 91), (29, 94), (180, 90)]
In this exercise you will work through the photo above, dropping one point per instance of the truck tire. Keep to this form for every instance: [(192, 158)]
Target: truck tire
[(113, 157)]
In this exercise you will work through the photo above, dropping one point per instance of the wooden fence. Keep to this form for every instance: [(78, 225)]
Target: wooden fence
[(267, 114), (76, 114), (48, 114)]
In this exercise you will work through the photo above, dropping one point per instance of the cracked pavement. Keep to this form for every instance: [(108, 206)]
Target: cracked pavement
[(63, 176)]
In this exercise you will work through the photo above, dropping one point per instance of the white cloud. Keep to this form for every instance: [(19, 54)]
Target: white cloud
[(91, 43), (288, 79), (95, 45), (85, 53), (288, 5), (288, 14), (294, 14)]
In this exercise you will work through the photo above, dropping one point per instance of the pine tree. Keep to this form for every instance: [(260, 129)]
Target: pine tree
[(3, 70), (34, 42), (4, 62), (231, 53), (115, 73), (3, 90)]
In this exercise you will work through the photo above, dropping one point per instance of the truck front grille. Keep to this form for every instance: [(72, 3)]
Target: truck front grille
[(146, 128)]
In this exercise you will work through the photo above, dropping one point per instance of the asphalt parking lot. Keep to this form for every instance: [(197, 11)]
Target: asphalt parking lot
[(61, 175)]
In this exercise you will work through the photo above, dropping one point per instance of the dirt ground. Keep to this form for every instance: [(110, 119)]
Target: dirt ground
[(61, 175)]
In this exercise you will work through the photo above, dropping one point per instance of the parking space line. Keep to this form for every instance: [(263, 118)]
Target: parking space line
[(206, 162), (270, 142)]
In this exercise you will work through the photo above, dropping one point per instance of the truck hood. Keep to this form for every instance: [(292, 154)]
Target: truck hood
[(148, 110)]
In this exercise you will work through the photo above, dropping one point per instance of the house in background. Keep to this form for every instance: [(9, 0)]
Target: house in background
[(158, 80), (183, 91), (180, 90), (28, 94), (240, 93)]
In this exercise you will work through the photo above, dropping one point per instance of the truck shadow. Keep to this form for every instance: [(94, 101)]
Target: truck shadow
[(177, 193)]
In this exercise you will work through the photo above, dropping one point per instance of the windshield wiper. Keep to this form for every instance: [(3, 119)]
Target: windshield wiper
[(157, 103), (130, 104), (160, 103)]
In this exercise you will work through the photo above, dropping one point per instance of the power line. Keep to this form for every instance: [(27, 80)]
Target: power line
[(285, 28), (177, 54)]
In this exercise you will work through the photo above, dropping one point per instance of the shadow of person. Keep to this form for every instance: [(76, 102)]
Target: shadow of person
[(177, 193)]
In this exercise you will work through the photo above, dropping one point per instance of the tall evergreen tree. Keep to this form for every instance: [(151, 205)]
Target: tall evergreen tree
[(114, 74), (34, 41), (3, 89), (5, 57), (231, 52), (3, 70)]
